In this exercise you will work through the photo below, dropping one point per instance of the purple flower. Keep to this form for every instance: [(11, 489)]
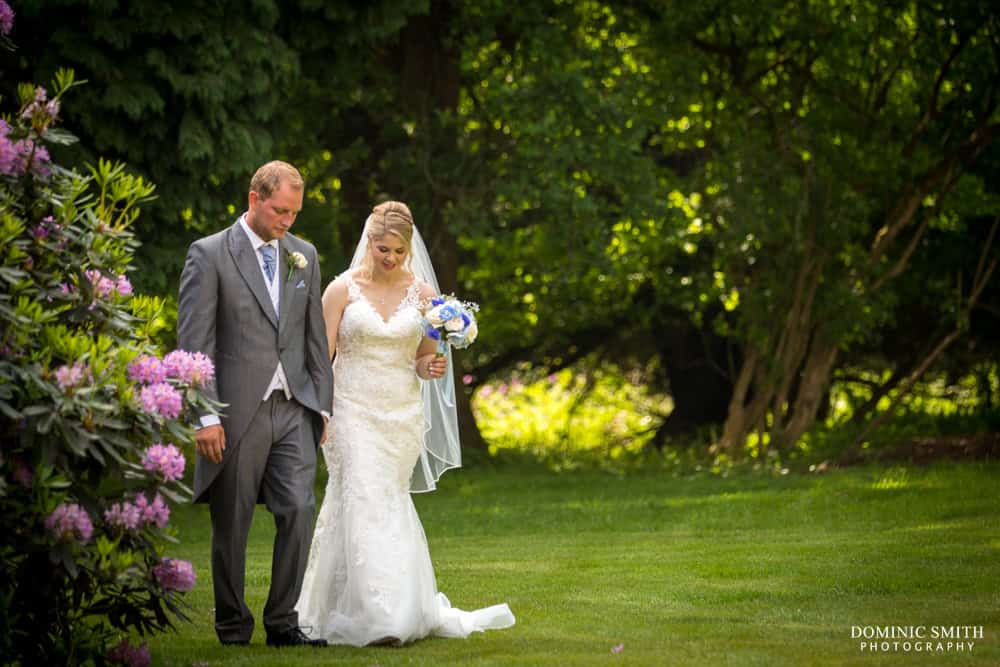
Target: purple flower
[(104, 287), (433, 333), (123, 286), (8, 155), (155, 512), (468, 379), (161, 398), (126, 654), (39, 232), (69, 520), (147, 370), (41, 162), (437, 301), (123, 515), (41, 112), (66, 288), (6, 18), (175, 574), (17, 157), (68, 377), (165, 460), (193, 368)]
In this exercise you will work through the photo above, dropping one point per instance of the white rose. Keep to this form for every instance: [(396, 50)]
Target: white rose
[(434, 316), (472, 332), (299, 260), (454, 324)]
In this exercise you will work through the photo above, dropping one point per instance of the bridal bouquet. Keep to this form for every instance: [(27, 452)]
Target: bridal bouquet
[(450, 322)]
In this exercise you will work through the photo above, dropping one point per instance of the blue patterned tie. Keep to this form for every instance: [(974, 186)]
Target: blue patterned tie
[(268, 253)]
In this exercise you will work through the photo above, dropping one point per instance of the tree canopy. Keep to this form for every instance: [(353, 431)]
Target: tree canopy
[(746, 200)]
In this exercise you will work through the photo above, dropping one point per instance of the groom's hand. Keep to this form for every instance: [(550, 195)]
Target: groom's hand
[(211, 442)]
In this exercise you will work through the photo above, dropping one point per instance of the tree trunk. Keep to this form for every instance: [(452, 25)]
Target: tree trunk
[(697, 376), (813, 383), (738, 421)]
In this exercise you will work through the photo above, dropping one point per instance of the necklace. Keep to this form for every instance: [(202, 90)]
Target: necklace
[(383, 292)]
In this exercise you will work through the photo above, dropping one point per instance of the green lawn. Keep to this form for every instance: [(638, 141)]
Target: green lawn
[(747, 570)]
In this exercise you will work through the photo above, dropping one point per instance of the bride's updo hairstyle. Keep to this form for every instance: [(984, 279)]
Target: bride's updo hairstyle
[(391, 217)]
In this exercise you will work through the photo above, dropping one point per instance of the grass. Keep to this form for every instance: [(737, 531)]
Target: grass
[(697, 570)]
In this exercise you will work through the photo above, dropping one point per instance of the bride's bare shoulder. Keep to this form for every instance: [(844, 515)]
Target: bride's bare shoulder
[(426, 290), (337, 289)]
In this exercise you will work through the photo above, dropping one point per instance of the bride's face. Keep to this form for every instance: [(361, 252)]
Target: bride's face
[(388, 253)]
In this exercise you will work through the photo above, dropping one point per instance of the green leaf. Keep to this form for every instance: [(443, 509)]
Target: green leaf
[(58, 136), (9, 411)]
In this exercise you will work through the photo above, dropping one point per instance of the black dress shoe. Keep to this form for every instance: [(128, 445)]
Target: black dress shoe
[(292, 637)]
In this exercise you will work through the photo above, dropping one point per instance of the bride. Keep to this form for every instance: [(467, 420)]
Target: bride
[(369, 579)]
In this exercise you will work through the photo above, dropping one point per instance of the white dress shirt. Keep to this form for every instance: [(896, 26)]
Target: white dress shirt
[(278, 380)]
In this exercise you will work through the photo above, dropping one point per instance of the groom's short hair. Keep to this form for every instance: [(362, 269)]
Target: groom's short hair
[(269, 178)]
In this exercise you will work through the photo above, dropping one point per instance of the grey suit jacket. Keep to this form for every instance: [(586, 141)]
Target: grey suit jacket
[(224, 311)]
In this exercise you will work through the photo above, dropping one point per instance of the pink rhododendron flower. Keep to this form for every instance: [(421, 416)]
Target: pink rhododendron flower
[(156, 512), (165, 460), (69, 520), (193, 368), (175, 574), (130, 656), (123, 515), (68, 377), (161, 398), (147, 369)]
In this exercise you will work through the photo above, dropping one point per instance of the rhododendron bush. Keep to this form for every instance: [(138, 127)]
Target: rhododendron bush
[(93, 416)]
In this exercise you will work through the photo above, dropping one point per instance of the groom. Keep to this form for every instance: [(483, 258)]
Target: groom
[(250, 300)]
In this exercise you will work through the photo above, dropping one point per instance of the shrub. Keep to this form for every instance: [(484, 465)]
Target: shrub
[(91, 416)]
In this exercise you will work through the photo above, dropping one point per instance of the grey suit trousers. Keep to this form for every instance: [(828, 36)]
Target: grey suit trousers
[(274, 462)]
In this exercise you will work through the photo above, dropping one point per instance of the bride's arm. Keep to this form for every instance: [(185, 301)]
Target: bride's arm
[(334, 302), (428, 365)]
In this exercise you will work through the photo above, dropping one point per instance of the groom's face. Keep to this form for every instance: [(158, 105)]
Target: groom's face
[(270, 218)]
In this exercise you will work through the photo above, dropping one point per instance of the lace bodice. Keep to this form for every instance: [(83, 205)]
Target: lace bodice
[(375, 357)]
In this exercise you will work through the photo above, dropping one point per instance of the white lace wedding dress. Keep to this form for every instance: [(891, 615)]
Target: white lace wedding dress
[(369, 577)]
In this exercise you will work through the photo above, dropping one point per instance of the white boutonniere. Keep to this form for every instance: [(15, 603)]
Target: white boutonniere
[(296, 260)]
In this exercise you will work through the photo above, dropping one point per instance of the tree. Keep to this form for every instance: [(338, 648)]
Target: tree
[(840, 134), (186, 93)]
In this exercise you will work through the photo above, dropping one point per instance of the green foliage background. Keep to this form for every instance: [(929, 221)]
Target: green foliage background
[(634, 183)]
